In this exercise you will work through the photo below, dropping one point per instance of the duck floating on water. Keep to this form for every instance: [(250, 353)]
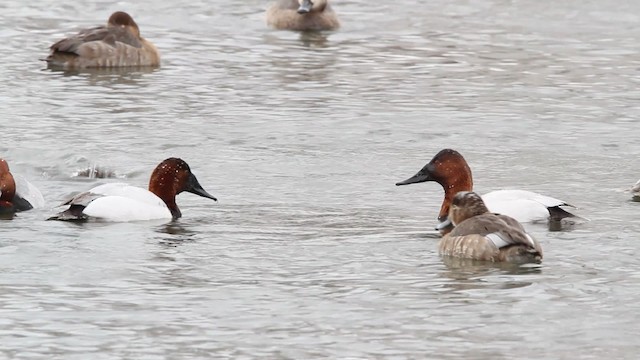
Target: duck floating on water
[(481, 235), (449, 169), (123, 202), (117, 44), (302, 15)]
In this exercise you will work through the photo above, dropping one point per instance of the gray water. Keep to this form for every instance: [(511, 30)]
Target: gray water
[(311, 251)]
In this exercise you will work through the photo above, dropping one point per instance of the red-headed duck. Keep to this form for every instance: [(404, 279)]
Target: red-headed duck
[(118, 44), (122, 202), (16, 193), (449, 169), (481, 235), (302, 15)]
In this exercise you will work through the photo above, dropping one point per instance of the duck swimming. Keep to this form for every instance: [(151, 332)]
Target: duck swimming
[(123, 202), (302, 15), (481, 235), (16, 193), (449, 169), (117, 44)]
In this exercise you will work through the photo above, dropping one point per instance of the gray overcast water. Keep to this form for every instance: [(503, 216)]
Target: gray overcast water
[(311, 251)]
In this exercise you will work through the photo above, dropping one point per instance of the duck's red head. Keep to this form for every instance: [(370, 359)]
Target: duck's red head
[(449, 169), (7, 186), (121, 18), (170, 178)]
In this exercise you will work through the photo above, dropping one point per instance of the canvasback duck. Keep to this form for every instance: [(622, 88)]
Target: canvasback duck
[(481, 235), (302, 15), (16, 193), (122, 202), (635, 191), (118, 44), (449, 169)]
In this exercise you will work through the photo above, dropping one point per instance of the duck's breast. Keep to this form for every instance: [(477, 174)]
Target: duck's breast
[(473, 246)]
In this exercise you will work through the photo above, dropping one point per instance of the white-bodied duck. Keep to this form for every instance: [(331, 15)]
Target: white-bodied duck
[(123, 202), (449, 169)]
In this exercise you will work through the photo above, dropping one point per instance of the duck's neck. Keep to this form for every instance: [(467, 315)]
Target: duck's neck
[(463, 182), (8, 189), (166, 192)]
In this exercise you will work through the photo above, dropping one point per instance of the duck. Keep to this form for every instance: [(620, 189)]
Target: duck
[(479, 234), (121, 202), (302, 15), (635, 191), (16, 193), (449, 169), (117, 44)]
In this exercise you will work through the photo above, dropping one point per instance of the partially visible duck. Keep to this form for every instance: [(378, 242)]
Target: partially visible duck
[(302, 15), (449, 169), (122, 202), (16, 193), (635, 191), (481, 235), (118, 44)]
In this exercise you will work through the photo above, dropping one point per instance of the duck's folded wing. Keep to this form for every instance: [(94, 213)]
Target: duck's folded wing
[(128, 191), (502, 230), (108, 34)]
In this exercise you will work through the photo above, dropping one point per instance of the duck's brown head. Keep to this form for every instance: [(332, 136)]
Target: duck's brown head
[(466, 204), (7, 186), (170, 178), (449, 169), (122, 19)]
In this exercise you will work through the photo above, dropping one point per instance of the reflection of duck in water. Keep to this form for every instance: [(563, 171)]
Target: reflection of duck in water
[(302, 15), (16, 193), (118, 44), (481, 235)]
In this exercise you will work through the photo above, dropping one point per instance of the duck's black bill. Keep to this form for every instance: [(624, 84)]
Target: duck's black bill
[(194, 187), (421, 176), (305, 7)]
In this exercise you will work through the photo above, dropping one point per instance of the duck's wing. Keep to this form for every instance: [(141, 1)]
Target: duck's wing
[(107, 34), (131, 192), (502, 230)]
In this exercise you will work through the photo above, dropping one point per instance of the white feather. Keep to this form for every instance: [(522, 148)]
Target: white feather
[(128, 191), (120, 208), (123, 202), (524, 206), (497, 240)]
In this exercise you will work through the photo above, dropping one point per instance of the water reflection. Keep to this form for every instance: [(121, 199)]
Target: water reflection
[(314, 39), (179, 233), (113, 76), (466, 274)]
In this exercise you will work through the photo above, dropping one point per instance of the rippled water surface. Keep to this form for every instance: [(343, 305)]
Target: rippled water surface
[(311, 251)]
